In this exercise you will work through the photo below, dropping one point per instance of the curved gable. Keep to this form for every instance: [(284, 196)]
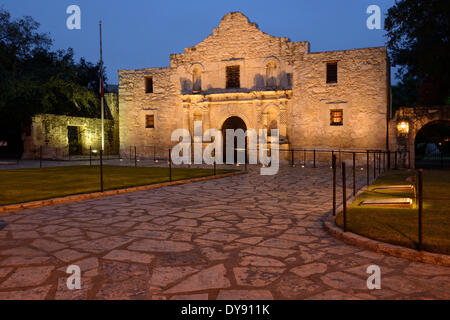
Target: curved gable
[(235, 37)]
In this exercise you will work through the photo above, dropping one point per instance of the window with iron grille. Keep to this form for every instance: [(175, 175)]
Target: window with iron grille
[(336, 117), (233, 77), (148, 85), (331, 72), (150, 121)]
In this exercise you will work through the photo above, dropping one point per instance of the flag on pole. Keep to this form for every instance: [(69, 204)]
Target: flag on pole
[(101, 86)]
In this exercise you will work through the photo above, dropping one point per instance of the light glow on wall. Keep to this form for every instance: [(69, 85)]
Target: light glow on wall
[(403, 127)]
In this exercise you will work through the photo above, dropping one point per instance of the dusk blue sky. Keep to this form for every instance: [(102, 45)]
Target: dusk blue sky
[(139, 34)]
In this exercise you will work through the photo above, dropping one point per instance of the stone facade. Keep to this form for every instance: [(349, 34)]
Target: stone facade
[(405, 125), (282, 85), (50, 132)]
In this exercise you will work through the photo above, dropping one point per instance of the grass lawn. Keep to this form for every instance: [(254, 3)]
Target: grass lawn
[(400, 225), (22, 185)]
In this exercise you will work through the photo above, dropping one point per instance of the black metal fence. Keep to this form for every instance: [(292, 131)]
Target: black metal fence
[(379, 159), (439, 160)]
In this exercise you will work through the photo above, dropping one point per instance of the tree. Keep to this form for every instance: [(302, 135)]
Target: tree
[(34, 79), (418, 42)]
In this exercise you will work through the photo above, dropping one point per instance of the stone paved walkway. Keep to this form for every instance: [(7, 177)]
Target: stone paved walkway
[(244, 237)]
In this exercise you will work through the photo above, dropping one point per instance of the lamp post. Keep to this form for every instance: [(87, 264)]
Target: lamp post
[(101, 88)]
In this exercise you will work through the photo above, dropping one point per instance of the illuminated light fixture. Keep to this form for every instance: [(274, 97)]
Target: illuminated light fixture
[(362, 169), (94, 151), (303, 165), (391, 202), (403, 127)]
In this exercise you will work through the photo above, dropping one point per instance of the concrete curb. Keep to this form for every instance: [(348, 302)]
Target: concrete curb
[(85, 196), (378, 246)]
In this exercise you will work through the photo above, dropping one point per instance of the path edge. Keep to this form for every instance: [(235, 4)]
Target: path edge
[(379, 246), (93, 195)]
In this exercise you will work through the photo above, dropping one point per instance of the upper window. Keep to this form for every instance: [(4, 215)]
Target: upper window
[(332, 72), (271, 74), (150, 121), (233, 77), (336, 117), (148, 85), (289, 80), (196, 80)]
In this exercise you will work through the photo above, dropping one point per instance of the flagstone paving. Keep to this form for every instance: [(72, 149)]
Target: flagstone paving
[(242, 237)]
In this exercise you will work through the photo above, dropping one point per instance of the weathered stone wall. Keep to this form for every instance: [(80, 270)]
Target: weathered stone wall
[(164, 103), (361, 92), (112, 103), (298, 100), (51, 133)]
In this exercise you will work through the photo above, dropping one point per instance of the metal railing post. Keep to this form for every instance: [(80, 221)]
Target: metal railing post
[(374, 165), (368, 167), (344, 197), (332, 156), (333, 165), (292, 157), (314, 151), (354, 174), (135, 157), (101, 170), (420, 194), (90, 155), (379, 162)]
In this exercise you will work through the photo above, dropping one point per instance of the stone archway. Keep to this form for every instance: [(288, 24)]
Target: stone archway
[(432, 145), (234, 123), (405, 126)]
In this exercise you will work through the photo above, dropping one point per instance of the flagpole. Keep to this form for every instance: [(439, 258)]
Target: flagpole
[(101, 88)]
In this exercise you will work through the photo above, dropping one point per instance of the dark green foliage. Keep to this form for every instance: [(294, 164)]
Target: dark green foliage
[(34, 79), (418, 42)]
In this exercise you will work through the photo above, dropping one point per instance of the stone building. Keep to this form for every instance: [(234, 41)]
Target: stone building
[(408, 122), (240, 76), (61, 136)]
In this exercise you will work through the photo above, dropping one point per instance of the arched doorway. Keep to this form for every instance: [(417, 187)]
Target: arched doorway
[(432, 145), (233, 123)]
